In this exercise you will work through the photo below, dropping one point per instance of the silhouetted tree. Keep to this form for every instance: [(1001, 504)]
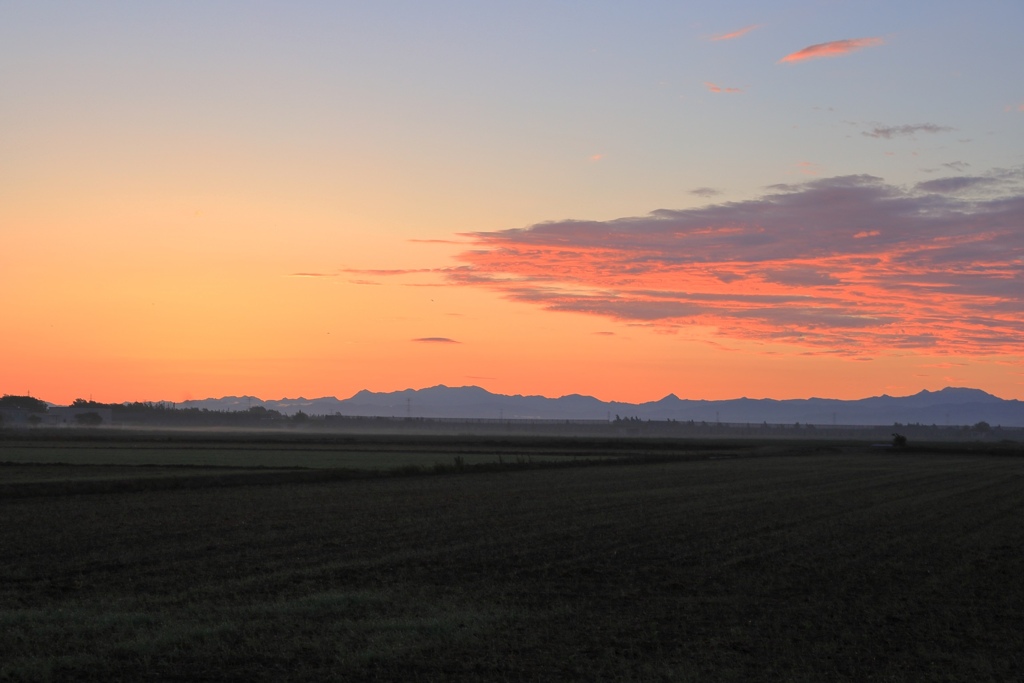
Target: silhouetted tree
[(33, 405), (899, 441)]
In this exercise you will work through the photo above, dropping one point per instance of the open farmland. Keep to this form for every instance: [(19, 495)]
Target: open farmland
[(270, 449), (813, 564)]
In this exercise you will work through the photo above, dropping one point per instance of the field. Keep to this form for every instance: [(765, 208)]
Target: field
[(462, 561)]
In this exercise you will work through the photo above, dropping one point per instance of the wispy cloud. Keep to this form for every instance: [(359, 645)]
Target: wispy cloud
[(889, 132), (706, 192), (849, 265), (388, 272), (435, 340), (313, 275), (808, 168), (835, 48), (735, 34), (957, 184), (715, 88)]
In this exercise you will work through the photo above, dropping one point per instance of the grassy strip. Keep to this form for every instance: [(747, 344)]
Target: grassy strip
[(274, 476), (342, 630)]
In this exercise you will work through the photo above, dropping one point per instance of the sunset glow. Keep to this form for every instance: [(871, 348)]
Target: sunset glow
[(275, 200)]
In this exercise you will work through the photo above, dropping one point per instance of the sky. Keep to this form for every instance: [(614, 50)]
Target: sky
[(711, 199)]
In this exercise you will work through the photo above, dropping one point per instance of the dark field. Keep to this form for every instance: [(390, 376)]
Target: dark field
[(694, 563)]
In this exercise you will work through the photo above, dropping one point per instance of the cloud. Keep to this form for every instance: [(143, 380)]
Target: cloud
[(706, 192), (799, 276), (435, 340), (734, 34), (313, 275), (714, 88), (390, 272), (808, 168), (956, 184), (890, 132), (850, 265), (835, 48)]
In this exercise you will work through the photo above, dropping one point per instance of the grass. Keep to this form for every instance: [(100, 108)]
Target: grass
[(797, 567), (276, 450)]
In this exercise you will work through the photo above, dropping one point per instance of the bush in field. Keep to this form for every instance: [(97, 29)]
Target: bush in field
[(899, 441)]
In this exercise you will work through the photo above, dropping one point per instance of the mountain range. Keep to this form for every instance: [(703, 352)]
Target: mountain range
[(949, 406)]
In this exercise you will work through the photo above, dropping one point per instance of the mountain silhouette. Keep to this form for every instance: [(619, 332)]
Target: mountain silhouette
[(949, 406)]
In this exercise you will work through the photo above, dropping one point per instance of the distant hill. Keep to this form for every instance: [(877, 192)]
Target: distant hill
[(952, 406)]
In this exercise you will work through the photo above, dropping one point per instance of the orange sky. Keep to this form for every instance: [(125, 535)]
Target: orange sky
[(207, 201)]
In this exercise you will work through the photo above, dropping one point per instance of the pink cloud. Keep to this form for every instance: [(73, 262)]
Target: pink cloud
[(714, 88), (435, 340), (849, 265), (808, 168), (835, 48), (735, 34)]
